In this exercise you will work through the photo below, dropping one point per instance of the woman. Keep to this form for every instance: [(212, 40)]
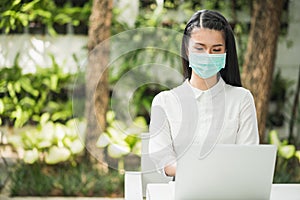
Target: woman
[(210, 107)]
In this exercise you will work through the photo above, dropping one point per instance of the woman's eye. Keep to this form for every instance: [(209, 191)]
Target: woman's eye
[(199, 49), (217, 50)]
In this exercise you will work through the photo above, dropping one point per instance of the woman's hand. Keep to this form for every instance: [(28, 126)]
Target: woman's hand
[(170, 170)]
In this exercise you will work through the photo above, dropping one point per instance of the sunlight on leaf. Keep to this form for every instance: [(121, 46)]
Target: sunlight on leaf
[(31, 156), (57, 154), (117, 150), (273, 137), (103, 140), (287, 151)]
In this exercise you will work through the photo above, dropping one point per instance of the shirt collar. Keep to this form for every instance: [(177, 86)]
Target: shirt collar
[(214, 90)]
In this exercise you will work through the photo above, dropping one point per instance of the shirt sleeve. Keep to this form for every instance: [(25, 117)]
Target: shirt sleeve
[(248, 129), (160, 143)]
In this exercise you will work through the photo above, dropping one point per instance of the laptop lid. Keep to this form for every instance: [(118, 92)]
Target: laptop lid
[(228, 172)]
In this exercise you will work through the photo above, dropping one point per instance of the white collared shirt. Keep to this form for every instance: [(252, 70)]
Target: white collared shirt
[(185, 115)]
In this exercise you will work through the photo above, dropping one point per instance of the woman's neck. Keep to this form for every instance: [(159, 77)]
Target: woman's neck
[(203, 84)]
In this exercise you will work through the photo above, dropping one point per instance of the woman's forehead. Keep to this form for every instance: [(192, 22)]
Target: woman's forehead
[(207, 36)]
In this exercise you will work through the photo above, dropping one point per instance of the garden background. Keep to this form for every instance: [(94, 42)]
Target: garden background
[(45, 88)]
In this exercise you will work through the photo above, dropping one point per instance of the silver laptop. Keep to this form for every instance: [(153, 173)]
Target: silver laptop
[(228, 172)]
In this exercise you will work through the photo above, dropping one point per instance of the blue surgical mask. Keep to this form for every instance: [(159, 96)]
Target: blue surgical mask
[(207, 65)]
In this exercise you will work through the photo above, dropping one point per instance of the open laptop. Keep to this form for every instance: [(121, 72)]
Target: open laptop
[(228, 172)]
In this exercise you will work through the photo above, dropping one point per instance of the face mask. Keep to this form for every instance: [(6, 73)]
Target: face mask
[(207, 65)]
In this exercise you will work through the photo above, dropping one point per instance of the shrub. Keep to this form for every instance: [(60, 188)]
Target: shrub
[(65, 179)]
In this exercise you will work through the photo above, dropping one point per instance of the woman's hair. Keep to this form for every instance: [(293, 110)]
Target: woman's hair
[(215, 21)]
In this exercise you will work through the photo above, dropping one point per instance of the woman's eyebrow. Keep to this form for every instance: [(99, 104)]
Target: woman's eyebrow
[(215, 45)]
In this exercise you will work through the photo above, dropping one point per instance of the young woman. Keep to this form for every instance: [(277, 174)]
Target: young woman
[(210, 107)]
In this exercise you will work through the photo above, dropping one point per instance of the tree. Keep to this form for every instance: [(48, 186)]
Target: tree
[(261, 53), (97, 93)]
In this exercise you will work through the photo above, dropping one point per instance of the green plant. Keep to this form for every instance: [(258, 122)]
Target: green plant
[(120, 140), (288, 160), (50, 142), (83, 179), (25, 98), (17, 14)]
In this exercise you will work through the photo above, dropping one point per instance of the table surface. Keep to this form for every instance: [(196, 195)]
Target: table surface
[(279, 191)]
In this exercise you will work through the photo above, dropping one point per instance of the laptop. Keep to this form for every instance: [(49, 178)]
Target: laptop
[(228, 172)]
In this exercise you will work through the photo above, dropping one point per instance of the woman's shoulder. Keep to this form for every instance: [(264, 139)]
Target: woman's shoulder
[(169, 97), (163, 97), (238, 92)]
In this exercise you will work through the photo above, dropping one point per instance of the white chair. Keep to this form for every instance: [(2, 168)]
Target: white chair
[(136, 182)]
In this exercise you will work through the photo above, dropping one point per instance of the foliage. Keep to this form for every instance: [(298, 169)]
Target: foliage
[(288, 160), (17, 14), (120, 139), (280, 90), (64, 179), (50, 143), (30, 98)]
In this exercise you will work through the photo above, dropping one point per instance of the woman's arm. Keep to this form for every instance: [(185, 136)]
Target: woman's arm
[(248, 129), (160, 143)]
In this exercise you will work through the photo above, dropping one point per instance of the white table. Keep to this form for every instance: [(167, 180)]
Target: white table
[(165, 191)]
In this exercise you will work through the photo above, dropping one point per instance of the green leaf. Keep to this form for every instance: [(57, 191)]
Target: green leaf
[(53, 82), (103, 140), (12, 22), (27, 86), (76, 147), (43, 13), (273, 138), (51, 30), (44, 118), (47, 132), (27, 101), (131, 140), (137, 149), (23, 18), (110, 116), (62, 18), (28, 6), (16, 2), (297, 154), (57, 155), (11, 90), (29, 139), (117, 150), (117, 135), (31, 156), (3, 86), (60, 131), (17, 87), (44, 144), (287, 151), (1, 106), (8, 13), (61, 115)]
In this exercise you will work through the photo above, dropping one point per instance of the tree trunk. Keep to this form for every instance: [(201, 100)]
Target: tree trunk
[(97, 93), (260, 57)]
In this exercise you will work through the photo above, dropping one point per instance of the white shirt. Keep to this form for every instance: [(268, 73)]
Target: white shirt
[(185, 115)]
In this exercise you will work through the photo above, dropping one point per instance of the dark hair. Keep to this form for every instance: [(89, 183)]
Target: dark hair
[(215, 21)]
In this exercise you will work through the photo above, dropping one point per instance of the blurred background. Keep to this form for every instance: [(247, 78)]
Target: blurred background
[(49, 132)]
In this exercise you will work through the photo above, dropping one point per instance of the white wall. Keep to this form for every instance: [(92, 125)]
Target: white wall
[(288, 58), (35, 50)]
